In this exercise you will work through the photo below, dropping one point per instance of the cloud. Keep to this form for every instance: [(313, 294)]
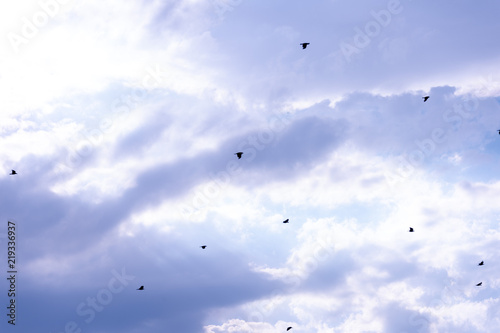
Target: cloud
[(122, 121)]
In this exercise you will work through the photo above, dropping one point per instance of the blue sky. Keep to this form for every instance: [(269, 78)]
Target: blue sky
[(122, 120)]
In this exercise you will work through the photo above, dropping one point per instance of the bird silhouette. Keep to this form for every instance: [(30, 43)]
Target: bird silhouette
[(304, 45), (498, 132), (289, 328), (286, 221), (238, 154), (479, 284), (13, 172), (481, 263), (140, 288), (411, 229), (425, 98), (203, 246)]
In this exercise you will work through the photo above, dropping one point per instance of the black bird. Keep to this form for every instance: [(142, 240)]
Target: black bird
[(238, 154), (203, 246), (286, 221), (481, 263), (425, 98), (498, 132), (13, 172), (304, 45), (479, 284), (289, 328), (411, 229), (140, 288)]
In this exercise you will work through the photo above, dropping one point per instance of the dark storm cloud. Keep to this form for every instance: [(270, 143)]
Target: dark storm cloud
[(181, 284), (306, 141)]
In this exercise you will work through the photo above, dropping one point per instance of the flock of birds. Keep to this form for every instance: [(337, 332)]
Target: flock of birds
[(480, 264), (411, 229), (240, 154)]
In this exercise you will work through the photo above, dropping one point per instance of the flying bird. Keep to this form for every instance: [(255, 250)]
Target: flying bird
[(289, 328), (304, 45), (498, 132), (479, 284), (411, 229), (286, 221), (140, 288), (481, 263), (203, 246), (13, 172), (238, 154), (425, 98)]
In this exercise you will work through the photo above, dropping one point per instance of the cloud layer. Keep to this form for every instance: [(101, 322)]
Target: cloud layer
[(122, 121)]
